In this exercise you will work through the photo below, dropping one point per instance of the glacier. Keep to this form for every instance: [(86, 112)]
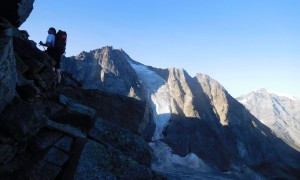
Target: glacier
[(158, 92), (170, 164)]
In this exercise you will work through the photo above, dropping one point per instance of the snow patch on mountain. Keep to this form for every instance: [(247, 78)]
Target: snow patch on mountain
[(158, 91), (246, 99), (167, 161)]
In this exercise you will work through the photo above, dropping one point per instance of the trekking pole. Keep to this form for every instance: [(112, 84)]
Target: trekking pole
[(40, 44)]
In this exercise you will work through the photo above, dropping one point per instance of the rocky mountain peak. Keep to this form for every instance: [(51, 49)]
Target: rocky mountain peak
[(278, 111), (104, 69), (217, 95), (180, 90)]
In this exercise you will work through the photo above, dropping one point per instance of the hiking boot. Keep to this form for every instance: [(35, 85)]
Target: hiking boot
[(53, 85), (58, 85)]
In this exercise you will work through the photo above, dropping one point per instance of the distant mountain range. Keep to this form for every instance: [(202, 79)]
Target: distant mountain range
[(196, 128), (278, 111)]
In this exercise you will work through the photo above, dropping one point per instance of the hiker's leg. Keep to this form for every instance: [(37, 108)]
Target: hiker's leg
[(58, 75)]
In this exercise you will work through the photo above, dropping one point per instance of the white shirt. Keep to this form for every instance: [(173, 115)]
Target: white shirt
[(50, 39)]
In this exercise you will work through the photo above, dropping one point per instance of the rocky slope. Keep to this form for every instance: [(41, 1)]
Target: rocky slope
[(62, 133), (279, 112), (197, 129)]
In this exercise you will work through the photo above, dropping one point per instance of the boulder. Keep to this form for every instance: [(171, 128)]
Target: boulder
[(22, 120), (98, 161), (16, 11), (65, 143), (126, 112), (125, 141)]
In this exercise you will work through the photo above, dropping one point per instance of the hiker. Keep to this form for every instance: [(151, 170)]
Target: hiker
[(53, 52)]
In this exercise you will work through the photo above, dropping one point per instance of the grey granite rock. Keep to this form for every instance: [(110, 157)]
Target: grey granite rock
[(22, 121), (278, 111), (103, 162), (128, 143), (56, 156), (105, 69), (8, 72), (65, 143)]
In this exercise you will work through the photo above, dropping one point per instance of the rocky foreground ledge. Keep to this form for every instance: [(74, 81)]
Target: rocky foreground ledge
[(67, 132)]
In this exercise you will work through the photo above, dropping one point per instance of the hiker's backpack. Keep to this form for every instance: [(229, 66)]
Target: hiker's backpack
[(61, 41)]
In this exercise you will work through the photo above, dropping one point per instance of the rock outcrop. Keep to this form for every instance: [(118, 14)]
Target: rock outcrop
[(8, 71), (16, 11), (68, 132)]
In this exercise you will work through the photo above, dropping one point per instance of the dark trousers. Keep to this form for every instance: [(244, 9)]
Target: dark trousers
[(56, 55)]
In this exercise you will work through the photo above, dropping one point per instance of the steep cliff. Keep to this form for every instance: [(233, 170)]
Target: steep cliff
[(68, 132)]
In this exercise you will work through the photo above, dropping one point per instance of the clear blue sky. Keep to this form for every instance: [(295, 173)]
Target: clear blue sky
[(243, 44)]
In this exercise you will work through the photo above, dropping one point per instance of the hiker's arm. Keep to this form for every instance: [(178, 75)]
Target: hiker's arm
[(47, 44)]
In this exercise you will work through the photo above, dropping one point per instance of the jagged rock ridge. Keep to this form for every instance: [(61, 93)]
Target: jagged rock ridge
[(279, 112), (99, 69)]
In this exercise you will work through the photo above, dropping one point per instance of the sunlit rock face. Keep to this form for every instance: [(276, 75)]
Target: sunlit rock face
[(105, 69), (278, 111)]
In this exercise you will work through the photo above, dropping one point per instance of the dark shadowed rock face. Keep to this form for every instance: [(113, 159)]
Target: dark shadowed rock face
[(22, 66), (16, 11), (8, 71), (125, 111), (57, 133)]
